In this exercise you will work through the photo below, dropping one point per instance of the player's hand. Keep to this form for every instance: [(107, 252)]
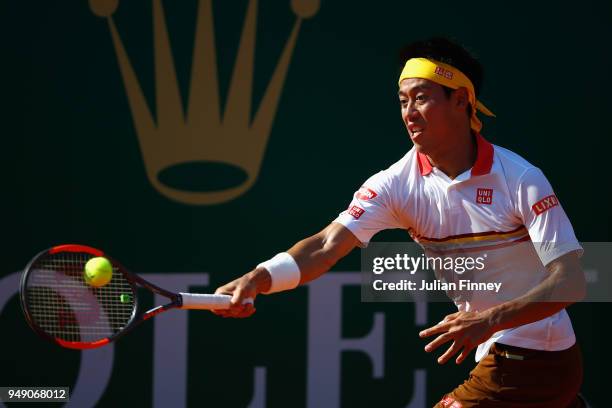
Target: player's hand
[(465, 329), (243, 292)]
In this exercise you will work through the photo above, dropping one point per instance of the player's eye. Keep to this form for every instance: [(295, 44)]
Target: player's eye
[(421, 98), (403, 102)]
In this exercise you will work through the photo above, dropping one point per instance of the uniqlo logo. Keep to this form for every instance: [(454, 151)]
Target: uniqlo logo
[(444, 72), (356, 211), (365, 193), (484, 196), (545, 204)]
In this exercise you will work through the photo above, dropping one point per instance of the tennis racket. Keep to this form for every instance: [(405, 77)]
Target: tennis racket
[(62, 307)]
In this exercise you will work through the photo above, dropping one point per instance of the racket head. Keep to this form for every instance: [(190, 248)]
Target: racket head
[(60, 306)]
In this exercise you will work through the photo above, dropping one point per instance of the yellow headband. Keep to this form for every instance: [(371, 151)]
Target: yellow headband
[(448, 76)]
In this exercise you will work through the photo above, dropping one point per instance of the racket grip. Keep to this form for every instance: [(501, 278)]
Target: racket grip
[(205, 302)]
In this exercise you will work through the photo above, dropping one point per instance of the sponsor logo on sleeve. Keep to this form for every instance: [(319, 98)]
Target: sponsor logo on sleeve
[(356, 212), (365, 193), (484, 196), (545, 204)]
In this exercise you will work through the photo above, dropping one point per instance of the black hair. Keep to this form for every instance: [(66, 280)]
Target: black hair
[(449, 52)]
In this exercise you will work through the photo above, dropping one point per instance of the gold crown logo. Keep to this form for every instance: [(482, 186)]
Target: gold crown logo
[(202, 135)]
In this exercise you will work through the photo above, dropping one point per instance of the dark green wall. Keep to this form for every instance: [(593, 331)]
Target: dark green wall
[(73, 171)]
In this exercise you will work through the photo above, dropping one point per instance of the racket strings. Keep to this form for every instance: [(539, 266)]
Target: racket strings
[(65, 306)]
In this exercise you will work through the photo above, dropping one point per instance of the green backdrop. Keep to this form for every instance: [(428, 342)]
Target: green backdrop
[(74, 171)]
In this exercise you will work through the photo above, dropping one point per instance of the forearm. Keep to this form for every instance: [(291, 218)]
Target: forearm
[(563, 286), (524, 310), (314, 255), (310, 256)]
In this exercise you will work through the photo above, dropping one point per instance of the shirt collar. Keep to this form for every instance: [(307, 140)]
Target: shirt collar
[(482, 166)]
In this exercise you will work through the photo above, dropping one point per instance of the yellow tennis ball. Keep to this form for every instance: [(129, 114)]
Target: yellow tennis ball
[(98, 271)]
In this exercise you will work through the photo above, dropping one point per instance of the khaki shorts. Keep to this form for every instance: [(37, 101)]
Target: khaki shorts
[(511, 377)]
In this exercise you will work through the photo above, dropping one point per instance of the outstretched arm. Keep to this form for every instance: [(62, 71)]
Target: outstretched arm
[(314, 256)]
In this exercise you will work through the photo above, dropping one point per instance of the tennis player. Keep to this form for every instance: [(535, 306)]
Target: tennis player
[(452, 190)]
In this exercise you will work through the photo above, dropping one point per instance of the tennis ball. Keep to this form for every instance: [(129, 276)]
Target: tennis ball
[(98, 271)]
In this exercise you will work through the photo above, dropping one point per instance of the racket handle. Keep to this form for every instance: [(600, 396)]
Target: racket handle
[(205, 302)]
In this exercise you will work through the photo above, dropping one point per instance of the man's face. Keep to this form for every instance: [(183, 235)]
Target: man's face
[(429, 115)]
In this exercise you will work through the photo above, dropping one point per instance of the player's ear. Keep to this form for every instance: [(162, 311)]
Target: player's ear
[(460, 97)]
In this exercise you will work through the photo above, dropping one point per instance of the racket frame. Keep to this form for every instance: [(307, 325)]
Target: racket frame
[(133, 280)]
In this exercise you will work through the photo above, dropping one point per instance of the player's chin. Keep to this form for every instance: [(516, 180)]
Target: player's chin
[(421, 148)]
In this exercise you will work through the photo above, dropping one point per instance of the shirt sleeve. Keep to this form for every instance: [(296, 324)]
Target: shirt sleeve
[(371, 209), (549, 228)]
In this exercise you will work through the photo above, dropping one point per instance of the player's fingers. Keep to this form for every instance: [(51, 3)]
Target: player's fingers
[(222, 313), (225, 311), (226, 289), (242, 312), (452, 350), (236, 301), (441, 339), (228, 311), (451, 317), (243, 309), (229, 314), (235, 310), (463, 355), (438, 328), (239, 297), (248, 311), (242, 306)]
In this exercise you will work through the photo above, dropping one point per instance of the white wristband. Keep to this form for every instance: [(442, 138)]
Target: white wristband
[(284, 270)]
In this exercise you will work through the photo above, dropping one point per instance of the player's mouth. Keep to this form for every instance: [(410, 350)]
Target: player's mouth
[(415, 131)]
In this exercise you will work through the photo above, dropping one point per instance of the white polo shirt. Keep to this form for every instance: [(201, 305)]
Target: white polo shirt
[(503, 199)]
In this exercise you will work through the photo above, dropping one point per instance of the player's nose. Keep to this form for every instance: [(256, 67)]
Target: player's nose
[(413, 113), (410, 113)]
